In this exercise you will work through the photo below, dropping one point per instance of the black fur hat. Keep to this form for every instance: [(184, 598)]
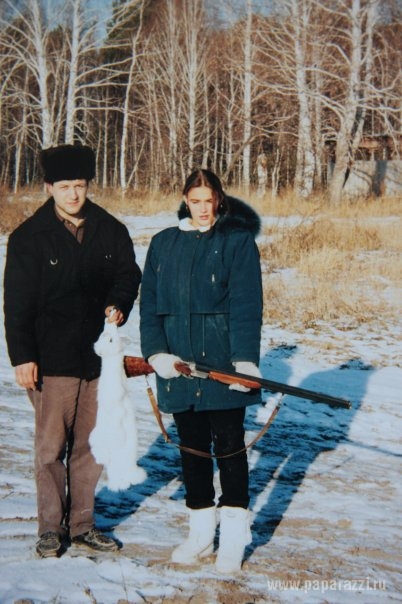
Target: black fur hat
[(68, 162)]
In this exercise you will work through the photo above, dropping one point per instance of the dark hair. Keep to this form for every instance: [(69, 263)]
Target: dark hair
[(206, 178)]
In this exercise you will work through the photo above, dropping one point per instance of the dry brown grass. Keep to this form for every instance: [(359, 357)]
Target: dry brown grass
[(15, 208), (335, 264), (288, 204), (148, 203), (143, 203), (334, 267)]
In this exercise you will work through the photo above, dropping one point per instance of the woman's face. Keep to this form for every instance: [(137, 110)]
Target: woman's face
[(203, 206)]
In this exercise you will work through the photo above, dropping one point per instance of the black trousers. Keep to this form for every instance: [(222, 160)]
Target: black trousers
[(225, 429)]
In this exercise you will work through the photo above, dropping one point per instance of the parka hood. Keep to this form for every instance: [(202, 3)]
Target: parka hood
[(238, 215)]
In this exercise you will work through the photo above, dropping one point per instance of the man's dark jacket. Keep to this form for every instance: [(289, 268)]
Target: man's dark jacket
[(56, 289)]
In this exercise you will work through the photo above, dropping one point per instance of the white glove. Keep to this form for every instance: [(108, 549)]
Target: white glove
[(163, 365), (248, 369)]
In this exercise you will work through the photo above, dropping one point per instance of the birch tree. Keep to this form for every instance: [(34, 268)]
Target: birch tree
[(162, 65), (305, 166), (169, 89), (177, 66), (126, 106), (324, 56), (247, 99), (26, 37), (352, 112), (239, 94), (287, 45), (228, 91), (71, 104), (194, 62), (85, 74)]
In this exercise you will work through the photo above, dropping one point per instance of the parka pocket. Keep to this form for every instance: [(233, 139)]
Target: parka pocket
[(215, 340)]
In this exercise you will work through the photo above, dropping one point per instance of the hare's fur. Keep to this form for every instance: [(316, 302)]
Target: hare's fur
[(114, 439)]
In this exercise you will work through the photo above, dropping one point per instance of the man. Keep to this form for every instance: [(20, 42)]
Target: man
[(68, 267)]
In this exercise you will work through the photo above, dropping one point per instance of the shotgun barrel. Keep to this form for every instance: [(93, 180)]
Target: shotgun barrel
[(272, 386)]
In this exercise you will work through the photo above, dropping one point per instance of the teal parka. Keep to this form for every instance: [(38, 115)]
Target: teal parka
[(201, 299)]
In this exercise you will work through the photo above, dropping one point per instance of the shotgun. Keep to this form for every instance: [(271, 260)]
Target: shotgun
[(135, 366)]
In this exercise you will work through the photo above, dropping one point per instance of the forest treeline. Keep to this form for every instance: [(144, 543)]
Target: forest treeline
[(264, 93)]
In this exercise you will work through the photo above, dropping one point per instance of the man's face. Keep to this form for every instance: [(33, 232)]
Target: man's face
[(69, 196)]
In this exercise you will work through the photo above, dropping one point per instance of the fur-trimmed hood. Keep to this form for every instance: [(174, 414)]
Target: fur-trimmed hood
[(238, 215)]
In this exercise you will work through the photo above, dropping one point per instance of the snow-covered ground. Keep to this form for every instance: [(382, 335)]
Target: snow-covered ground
[(325, 484)]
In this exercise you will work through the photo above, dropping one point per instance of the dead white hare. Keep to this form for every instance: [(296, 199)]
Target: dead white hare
[(114, 439)]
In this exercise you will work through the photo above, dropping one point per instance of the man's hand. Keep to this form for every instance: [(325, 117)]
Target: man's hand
[(114, 315), (26, 375)]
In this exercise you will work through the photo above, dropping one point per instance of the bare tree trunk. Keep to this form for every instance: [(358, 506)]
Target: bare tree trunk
[(39, 41), (318, 143), (172, 78), (275, 174), (304, 178), (193, 70), (207, 134), (17, 160), (126, 104), (247, 97), (105, 154), (262, 174), (230, 122), (19, 139), (72, 80)]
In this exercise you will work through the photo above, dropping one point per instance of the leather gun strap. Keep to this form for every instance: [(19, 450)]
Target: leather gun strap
[(167, 438)]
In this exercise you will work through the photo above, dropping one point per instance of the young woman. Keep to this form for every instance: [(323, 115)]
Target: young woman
[(201, 302)]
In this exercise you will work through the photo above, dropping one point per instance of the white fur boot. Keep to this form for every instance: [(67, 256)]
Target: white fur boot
[(200, 541), (234, 535)]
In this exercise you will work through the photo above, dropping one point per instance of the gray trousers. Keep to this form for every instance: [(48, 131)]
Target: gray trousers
[(66, 472)]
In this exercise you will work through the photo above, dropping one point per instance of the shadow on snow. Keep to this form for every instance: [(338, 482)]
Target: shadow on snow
[(162, 465), (301, 431)]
